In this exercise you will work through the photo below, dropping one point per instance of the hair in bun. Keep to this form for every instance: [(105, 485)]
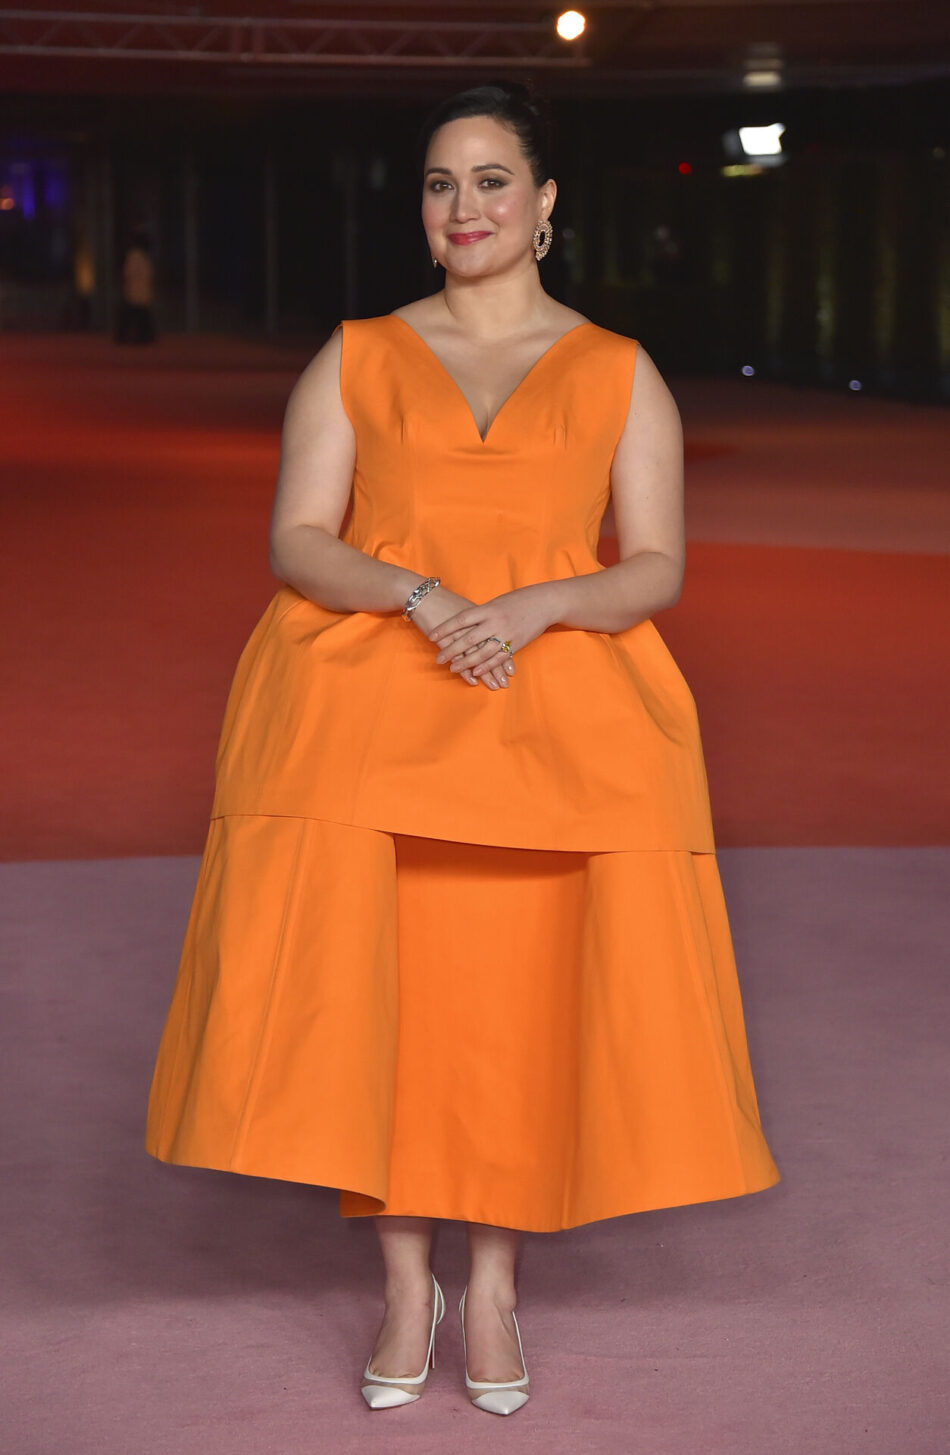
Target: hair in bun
[(515, 104)]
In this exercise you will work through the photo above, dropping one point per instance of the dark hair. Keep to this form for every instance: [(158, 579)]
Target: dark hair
[(514, 104)]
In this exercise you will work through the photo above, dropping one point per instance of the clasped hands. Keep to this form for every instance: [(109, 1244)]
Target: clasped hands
[(465, 639)]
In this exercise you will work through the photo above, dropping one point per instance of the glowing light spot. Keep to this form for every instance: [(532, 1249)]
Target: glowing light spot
[(762, 141), (570, 24)]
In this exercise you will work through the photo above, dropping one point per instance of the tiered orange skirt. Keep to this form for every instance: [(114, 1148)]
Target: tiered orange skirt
[(530, 1038)]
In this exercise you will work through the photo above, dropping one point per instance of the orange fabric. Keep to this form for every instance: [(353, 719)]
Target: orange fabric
[(346, 1015), (349, 717), (463, 954)]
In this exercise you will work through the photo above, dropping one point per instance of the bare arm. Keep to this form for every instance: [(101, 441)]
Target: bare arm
[(317, 454), (646, 482)]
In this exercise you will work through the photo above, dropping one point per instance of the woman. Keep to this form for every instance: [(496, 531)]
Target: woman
[(464, 954)]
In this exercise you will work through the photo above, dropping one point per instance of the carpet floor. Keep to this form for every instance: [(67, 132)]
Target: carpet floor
[(153, 1310)]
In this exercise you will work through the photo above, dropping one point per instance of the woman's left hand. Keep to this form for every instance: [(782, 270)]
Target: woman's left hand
[(516, 617)]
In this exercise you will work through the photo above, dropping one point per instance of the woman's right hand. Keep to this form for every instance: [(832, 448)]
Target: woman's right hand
[(436, 607)]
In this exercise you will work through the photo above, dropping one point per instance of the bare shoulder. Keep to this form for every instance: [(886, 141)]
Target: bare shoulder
[(420, 311), (650, 390), (653, 419), (569, 317), (319, 381)]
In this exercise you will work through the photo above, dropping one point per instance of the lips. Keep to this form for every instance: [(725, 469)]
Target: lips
[(467, 237)]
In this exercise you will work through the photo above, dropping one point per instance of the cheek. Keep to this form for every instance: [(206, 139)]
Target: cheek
[(505, 209), (436, 209)]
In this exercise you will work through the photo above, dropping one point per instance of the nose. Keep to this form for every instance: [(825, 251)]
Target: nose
[(465, 207)]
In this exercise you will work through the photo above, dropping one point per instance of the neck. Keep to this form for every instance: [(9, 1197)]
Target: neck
[(496, 308)]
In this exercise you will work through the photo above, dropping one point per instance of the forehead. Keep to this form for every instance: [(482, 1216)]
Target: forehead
[(473, 139)]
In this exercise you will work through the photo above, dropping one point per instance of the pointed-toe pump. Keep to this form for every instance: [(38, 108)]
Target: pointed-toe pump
[(498, 1399), (382, 1393)]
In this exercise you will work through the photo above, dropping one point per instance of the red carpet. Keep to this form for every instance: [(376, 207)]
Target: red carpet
[(138, 488)]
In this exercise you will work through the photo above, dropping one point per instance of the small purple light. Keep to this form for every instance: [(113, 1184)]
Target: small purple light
[(748, 370)]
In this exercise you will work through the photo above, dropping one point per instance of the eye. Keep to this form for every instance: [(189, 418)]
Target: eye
[(439, 183)]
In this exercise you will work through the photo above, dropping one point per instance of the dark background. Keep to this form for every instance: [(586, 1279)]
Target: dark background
[(279, 203)]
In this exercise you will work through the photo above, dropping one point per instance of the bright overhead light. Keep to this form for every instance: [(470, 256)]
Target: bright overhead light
[(762, 141), (761, 80), (570, 24)]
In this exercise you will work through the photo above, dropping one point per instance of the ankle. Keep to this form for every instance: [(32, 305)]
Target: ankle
[(489, 1288), (408, 1287)]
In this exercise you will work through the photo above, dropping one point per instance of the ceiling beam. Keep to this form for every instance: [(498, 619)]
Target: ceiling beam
[(210, 39)]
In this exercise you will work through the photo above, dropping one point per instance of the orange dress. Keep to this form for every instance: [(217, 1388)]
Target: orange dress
[(462, 953)]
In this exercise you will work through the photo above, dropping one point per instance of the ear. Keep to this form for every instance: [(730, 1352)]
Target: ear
[(546, 198)]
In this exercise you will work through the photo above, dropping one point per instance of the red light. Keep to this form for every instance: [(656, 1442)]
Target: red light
[(684, 169)]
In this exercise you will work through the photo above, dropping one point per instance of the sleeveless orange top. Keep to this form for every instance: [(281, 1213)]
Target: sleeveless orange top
[(346, 716)]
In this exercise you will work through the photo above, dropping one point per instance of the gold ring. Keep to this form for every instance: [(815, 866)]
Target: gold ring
[(505, 646)]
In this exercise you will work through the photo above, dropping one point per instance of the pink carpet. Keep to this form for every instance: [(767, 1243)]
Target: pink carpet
[(160, 1311)]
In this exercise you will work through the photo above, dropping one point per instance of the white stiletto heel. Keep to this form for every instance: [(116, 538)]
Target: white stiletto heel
[(382, 1393), (498, 1399)]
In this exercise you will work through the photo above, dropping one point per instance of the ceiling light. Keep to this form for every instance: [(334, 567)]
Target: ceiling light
[(762, 141), (570, 24)]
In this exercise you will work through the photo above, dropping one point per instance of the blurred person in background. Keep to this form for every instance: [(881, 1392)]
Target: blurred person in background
[(136, 321)]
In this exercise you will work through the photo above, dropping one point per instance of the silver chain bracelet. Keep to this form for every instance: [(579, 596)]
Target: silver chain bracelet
[(417, 593)]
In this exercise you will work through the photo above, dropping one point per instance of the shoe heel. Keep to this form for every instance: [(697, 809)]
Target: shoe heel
[(497, 1399), (374, 1389)]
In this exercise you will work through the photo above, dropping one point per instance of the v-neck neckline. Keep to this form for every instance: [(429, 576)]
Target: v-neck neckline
[(484, 438)]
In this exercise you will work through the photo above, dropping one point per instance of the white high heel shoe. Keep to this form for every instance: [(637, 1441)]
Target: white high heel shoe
[(382, 1393), (498, 1399)]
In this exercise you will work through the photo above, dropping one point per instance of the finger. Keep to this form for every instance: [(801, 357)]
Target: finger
[(452, 637), (452, 649), (475, 657), (493, 659), (461, 644), (461, 621), (494, 680)]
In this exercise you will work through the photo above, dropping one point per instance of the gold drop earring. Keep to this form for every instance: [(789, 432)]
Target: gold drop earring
[(546, 231)]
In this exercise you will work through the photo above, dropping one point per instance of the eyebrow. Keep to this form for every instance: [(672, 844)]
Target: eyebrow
[(485, 167)]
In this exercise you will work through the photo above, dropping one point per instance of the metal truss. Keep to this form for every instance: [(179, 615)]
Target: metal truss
[(251, 41)]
